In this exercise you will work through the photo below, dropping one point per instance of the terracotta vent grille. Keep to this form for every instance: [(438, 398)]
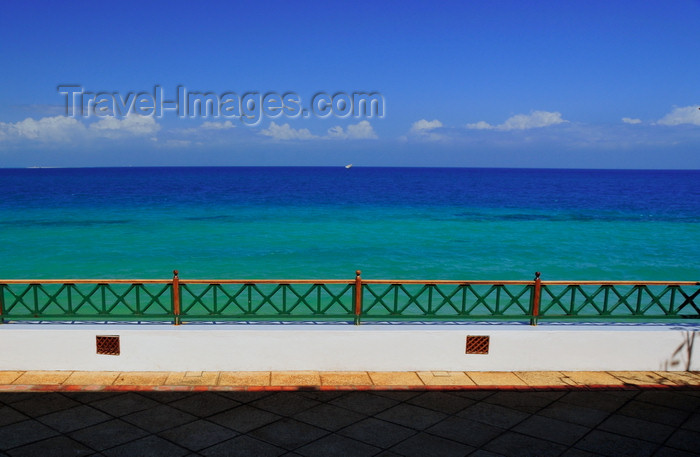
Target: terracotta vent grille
[(477, 345), (108, 345)]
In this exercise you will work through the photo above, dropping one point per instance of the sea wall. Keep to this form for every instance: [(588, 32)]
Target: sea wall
[(329, 347)]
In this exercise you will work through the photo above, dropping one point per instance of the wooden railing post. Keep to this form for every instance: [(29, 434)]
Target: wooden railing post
[(536, 299), (176, 298), (358, 296)]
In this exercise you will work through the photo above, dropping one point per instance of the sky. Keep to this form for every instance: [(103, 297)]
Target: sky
[(569, 84)]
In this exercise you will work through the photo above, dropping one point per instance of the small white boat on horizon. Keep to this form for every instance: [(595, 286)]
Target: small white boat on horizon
[(348, 165)]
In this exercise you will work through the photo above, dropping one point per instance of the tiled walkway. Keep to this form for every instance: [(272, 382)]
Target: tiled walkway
[(345, 380), (534, 417)]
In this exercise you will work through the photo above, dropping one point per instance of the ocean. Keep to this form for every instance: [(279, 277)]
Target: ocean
[(325, 223)]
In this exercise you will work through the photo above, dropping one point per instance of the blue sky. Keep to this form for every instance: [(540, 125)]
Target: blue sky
[(473, 84)]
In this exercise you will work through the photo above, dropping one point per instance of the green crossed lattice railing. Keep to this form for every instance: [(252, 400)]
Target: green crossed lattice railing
[(346, 300)]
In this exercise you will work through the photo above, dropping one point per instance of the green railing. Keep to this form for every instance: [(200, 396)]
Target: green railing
[(179, 301)]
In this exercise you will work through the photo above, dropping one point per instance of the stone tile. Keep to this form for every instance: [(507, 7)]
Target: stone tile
[(593, 378), (8, 377), (671, 452), (193, 378), (573, 452), (42, 377), (243, 446), (493, 415), (529, 402), (166, 397), (653, 413), (495, 378), (122, 404), (544, 378), (345, 378), (411, 416), (484, 453), (150, 446), (425, 445), (13, 397), (288, 433), (681, 378), (677, 400), (514, 444), (551, 429), (605, 443), (477, 395), (364, 402), (59, 446), (388, 454), (640, 377), (575, 414), (198, 435), (244, 378), (245, 396), (329, 417), (595, 400), (636, 428), (44, 403), (295, 378), (445, 378), (24, 432), (395, 378), (686, 440), (399, 395), (68, 420), (159, 418), (108, 434), (377, 432), (692, 423), (91, 378), (141, 378), (465, 431), (89, 397), (244, 418), (285, 403), (10, 416), (322, 395), (205, 404), (337, 446), (441, 401)]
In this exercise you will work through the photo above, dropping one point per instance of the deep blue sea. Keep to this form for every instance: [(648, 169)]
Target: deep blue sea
[(391, 223)]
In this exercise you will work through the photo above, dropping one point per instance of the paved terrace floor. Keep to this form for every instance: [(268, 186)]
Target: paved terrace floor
[(350, 414)]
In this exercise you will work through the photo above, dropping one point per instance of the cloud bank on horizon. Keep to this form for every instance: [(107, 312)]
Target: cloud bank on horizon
[(65, 129)]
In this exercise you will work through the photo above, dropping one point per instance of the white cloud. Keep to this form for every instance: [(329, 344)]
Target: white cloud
[(424, 130), (684, 115), (64, 129), (425, 125), (208, 125), (535, 119), (481, 125), (361, 131), (286, 132), (631, 120), (56, 128), (133, 125)]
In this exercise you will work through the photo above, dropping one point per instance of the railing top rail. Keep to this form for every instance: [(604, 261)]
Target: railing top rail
[(86, 281), (621, 283), (343, 281), (443, 281)]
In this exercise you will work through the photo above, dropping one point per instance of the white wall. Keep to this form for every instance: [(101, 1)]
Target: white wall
[(349, 348)]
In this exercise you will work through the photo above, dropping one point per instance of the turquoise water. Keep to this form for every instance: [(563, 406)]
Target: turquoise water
[(328, 222)]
